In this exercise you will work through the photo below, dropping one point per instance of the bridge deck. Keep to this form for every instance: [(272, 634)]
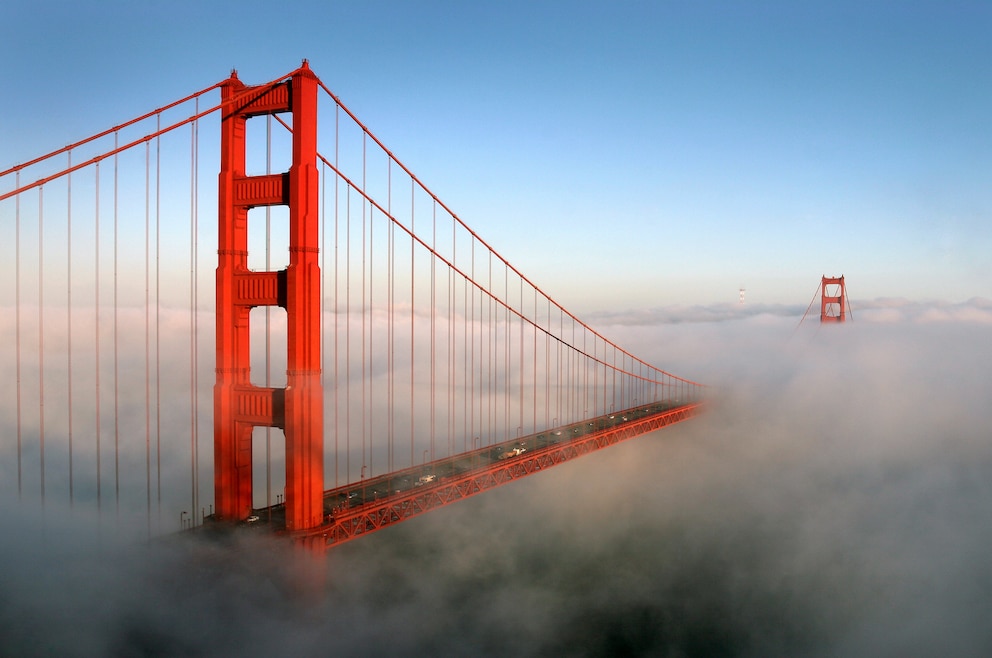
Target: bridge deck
[(362, 507)]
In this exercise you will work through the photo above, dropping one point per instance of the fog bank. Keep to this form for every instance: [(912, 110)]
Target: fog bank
[(833, 501)]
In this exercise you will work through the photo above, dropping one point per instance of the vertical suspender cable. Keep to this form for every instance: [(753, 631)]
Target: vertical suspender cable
[(413, 304), (606, 377), (17, 321), (68, 325), (390, 309), (491, 348), (483, 392), (570, 375), (520, 349), (468, 340), (569, 383), (447, 350), (572, 356), (609, 376), (41, 339), (451, 343), (196, 317), (585, 375), (433, 320), (613, 388), (337, 278), (148, 396), (466, 346), (566, 378), (370, 331), (364, 410), (323, 295), (575, 380), (502, 360), (624, 379), (507, 392), (471, 321), (593, 395), (323, 288), (547, 369), (488, 382), (491, 340), (347, 336), (558, 377), (192, 335), (624, 382), (485, 333), (96, 346), (117, 400), (158, 318), (501, 421), (194, 194), (534, 418)]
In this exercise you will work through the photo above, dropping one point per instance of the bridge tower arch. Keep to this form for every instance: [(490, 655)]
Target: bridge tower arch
[(240, 406)]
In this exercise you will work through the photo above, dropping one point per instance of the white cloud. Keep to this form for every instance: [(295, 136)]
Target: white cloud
[(832, 502)]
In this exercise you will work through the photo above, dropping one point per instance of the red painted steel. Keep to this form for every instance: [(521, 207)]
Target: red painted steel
[(346, 523), (240, 406), (304, 419), (833, 306), (478, 394)]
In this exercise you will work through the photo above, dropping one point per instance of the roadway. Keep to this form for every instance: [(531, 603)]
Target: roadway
[(392, 497)]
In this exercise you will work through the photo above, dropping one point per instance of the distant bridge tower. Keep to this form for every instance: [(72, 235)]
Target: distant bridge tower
[(240, 406), (833, 298)]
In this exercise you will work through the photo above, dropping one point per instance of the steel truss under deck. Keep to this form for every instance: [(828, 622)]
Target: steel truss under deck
[(347, 521)]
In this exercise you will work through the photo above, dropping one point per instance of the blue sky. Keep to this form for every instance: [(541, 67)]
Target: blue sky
[(622, 155), (640, 162)]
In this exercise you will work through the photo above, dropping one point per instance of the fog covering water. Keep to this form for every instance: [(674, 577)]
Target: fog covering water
[(835, 500)]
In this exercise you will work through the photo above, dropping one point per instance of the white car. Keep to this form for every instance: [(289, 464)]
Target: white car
[(512, 452)]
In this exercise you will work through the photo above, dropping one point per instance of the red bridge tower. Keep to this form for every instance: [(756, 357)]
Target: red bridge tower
[(240, 406), (832, 300)]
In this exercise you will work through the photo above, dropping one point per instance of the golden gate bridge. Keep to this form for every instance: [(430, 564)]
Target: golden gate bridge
[(336, 352)]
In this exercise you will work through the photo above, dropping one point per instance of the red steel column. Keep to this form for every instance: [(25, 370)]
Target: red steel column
[(238, 405), (304, 393), (232, 441)]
